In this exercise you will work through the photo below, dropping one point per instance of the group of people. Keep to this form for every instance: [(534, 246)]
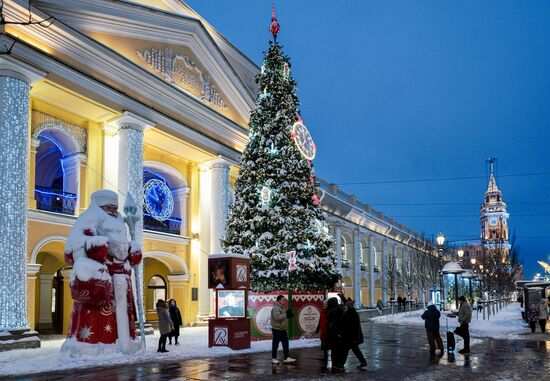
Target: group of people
[(169, 323), (339, 330), (431, 323), (538, 312)]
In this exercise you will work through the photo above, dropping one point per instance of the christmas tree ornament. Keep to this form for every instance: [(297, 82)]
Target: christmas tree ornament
[(274, 26), (303, 140), (286, 70), (265, 195)]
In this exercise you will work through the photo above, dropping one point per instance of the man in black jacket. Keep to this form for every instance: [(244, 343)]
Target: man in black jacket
[(431, 323), (353, 334)]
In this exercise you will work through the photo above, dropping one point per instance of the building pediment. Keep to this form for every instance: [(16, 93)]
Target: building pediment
[(174, 47)]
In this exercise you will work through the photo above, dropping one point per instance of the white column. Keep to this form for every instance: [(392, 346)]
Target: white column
[(383, 271), (372, 251), (204, 241), (181, 194), (338, 239), (219, 201), (130, 173), (45, 317), (357, 267), (110, 157), (15, 80), (71, 179)]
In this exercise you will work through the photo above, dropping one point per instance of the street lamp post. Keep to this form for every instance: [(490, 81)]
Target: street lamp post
[(460, 255), (440, 242)]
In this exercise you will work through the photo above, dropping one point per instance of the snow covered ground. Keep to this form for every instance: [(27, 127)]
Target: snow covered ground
[(194, 344), (507, 324)]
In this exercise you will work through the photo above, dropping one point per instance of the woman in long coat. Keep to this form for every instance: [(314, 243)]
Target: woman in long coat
[(175, 316), (165, 324)]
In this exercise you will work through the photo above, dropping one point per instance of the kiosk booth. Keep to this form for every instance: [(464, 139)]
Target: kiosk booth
[(533, 292), (229, 276)]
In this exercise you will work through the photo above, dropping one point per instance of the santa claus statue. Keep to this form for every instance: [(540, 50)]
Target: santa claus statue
[(98, 248)]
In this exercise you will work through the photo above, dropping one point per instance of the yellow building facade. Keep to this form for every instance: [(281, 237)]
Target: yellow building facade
[(122, 95)]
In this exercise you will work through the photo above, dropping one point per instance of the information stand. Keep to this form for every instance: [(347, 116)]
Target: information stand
[(229, 275)]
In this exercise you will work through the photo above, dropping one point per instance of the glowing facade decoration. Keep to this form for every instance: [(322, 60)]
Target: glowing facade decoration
[(158, 198), (14, 98)]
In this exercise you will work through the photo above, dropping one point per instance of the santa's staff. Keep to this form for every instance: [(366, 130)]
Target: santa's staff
[(130, 209)]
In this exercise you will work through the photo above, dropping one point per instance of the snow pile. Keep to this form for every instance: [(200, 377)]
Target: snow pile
[(507, 324), (193, 344)]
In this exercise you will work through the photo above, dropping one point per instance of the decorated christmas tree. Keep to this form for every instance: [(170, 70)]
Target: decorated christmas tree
[(276, 218)]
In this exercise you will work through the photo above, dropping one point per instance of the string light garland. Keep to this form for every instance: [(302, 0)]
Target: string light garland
[(14, 163)]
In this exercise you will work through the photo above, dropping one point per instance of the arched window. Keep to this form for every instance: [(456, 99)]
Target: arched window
[(344, 248), (156, 289), (57, 171), (165, 193)]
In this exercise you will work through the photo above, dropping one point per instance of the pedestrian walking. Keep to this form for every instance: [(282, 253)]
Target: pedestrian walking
[(431, 323), (404, 301), (322, 330), (543, 314), (380, 306), (399, 301), (175, 316), (279, 325), (464, 318), (335, 334), (165, 324), (533, 316), (353, 334)]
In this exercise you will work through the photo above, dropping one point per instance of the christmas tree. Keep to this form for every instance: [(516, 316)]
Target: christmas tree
[(276, 219)]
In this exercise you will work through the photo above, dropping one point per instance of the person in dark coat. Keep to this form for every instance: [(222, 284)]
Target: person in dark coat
[(353, 335), (175, 316), (533, 316), (399, 301), (165, 324), (431, 323), (335, 335)]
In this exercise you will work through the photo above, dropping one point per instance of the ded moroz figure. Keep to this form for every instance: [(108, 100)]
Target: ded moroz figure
[(104, 312)]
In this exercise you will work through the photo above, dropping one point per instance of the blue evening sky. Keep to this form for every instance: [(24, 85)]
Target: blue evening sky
[(400, 90)]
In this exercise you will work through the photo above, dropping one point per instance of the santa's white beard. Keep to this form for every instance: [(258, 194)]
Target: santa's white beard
[(125, 343)]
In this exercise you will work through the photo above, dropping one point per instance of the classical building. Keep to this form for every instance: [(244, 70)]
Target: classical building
[(144, 98)]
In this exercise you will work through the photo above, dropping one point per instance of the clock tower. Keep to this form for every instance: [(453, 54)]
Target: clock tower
[(494, 219)]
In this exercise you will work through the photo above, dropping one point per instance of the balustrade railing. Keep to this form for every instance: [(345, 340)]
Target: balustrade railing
[(170, 226), (55, 200)]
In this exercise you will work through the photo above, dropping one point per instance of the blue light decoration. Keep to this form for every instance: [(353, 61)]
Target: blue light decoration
[(158, 198)]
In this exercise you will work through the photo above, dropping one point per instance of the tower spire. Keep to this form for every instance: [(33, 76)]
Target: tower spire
[(492, 188), (274, 26)]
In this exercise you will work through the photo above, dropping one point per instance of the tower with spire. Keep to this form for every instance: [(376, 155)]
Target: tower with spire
[(494, 218)]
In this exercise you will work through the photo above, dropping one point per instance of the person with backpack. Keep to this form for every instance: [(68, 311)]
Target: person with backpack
[(431, 323)]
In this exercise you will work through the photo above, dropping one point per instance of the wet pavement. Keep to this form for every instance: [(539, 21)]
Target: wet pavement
[(392, 352)]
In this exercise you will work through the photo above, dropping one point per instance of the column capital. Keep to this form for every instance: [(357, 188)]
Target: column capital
[(76, 157), (12, 67), (218, 162), (66, 274), (33, 269), (181, 191), (35, 143), (178, 278), (128, 120)]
